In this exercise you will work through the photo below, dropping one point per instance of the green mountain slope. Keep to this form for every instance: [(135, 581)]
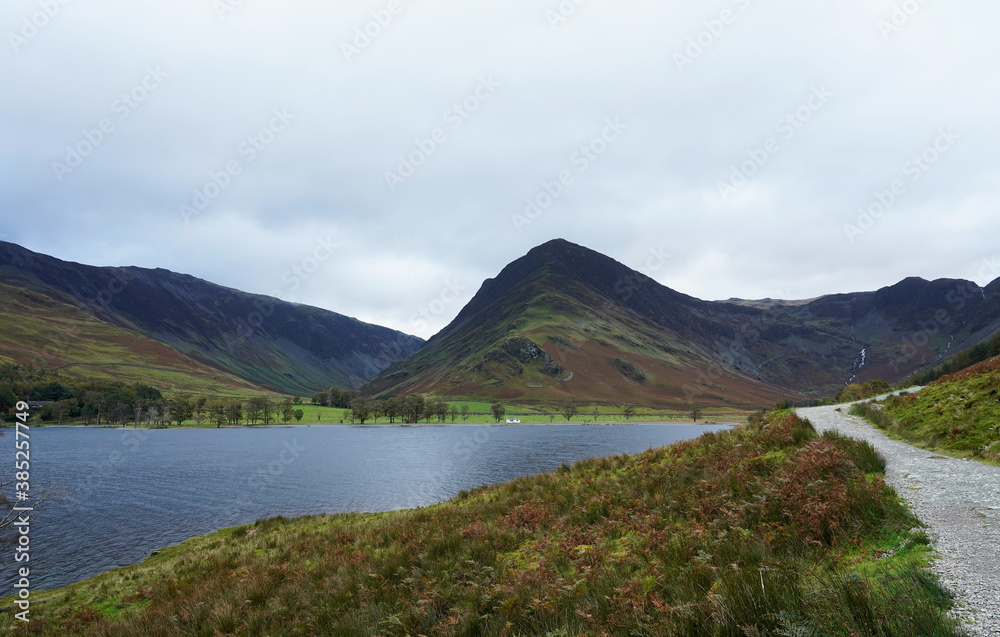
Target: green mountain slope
[(42, 333), (567, 323), (268, 342)]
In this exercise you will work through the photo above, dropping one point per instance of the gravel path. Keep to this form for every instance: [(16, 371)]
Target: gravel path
[(958, 499)]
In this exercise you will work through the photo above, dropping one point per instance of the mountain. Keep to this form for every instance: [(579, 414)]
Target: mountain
[(114, 321), (566, 323)]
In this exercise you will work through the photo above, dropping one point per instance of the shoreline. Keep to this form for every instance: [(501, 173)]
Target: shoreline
[(657, 423)]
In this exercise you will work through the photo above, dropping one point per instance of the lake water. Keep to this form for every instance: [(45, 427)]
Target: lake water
[(128, 493)]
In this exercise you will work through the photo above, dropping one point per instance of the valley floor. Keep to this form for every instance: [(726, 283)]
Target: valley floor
[(958, 499)]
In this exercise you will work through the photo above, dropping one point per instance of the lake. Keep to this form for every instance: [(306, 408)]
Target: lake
[(127, 493)]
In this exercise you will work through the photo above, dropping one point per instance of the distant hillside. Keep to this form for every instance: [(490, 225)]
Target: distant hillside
[(567, 323), (60, 314)]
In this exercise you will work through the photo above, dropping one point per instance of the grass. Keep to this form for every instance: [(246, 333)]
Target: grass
[(768, 529), (958, 415)]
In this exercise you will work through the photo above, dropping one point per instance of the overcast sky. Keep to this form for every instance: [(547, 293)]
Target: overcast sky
[(726, 148)]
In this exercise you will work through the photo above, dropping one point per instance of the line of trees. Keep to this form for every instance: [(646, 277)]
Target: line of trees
[(407, 409), (413, 408), (104, 402)]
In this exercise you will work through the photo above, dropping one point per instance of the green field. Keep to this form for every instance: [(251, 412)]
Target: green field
[(767, 529), (479, 413)]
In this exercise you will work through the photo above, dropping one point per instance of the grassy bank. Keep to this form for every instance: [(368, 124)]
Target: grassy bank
[(763, 530), (957, 415)]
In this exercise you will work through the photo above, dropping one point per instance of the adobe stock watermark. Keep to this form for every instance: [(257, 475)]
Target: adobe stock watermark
[(454, 118), (562, 12), (388, 354), (914, 170), (461, 453), (122, 108), (247, 152), (788, 127), (102, 471), (62, 338), (264, 476), (900, 16), (223, 8), (627, 286), (367, 33), (714, 28), (580, 161), (957, 298), (292, 279), (989, 271), (32, 26), (452, 293)]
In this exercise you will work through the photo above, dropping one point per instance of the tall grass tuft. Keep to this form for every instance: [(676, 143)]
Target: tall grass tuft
[(861, 452)]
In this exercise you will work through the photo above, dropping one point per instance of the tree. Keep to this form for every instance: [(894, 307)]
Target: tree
[(341, 398), (287, 409), (378, 410), (152, 415), (413, 408), (321, 398), (391, 408), (498, 411), (62, 409), (254, 407), (441, 411), (453, 412), (267, 410), (465, 412), (333, 398), (234, 412), (200, 410), (361, 410), (628, 411), (299, 414), (181, 409), (219, 415), (695, 413), (568, 411), (596, 412)]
